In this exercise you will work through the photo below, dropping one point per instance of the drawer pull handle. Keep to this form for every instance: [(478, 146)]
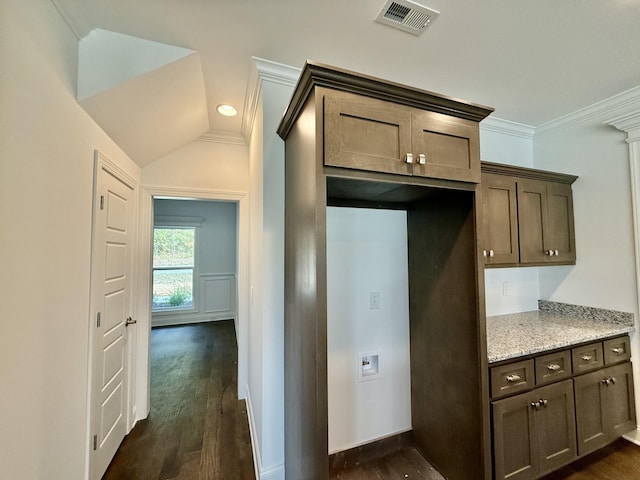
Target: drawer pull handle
[(587, 358), (617, 350), (553, 367), (513, 378)]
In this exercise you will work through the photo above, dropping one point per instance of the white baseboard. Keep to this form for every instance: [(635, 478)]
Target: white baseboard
[(275, 472), (633, 436)]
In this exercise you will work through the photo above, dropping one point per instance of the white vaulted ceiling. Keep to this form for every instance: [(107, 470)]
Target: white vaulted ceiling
[(533, 61)]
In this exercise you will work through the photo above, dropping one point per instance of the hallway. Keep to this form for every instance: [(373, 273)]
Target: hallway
[(197, 429)]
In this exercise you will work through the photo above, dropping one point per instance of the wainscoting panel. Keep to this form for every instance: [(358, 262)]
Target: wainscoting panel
[(215, 300)]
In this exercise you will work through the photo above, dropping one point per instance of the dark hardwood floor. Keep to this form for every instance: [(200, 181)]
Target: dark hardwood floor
[(618, 461), (197, 428)]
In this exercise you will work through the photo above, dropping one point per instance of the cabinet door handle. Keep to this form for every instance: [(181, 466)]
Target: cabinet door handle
[(484, 253), (513, 378), (422, 159), (553, 367), (557, 253), (617, 350), (551, 253), (491, 253), (587, 358), (535, 405), (543, 403), (409, 158), (612, 380)]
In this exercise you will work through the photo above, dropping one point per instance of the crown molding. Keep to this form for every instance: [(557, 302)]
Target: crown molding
[(507, 127), (219, 136), (629, 123), (264, 71), (68, 19), (615, 105)]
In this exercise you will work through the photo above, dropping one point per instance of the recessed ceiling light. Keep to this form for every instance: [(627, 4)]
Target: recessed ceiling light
[(227, 110)]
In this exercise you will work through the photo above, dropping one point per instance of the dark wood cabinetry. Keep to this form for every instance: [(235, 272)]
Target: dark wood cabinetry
[(579, 400), (545, 222), (375, 135), (528, 216), (534, 432), (346, 138), (605, 406), (500, 219)]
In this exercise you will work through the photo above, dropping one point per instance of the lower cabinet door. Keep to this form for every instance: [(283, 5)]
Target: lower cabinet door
[(515, 438), (556, 423), (590, 407), (620, 411)]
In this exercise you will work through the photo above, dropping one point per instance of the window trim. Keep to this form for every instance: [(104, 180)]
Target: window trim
[(180, 222)]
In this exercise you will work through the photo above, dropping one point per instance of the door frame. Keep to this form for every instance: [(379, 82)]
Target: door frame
[(141, 384), (100, 163)]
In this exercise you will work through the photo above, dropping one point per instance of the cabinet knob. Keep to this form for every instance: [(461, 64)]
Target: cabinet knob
[(587, 358), (617, 350), (553, 367), (409, 158), (484, 253), (612, 380), (513, 378), (543, 403), (557, 253), (535, 405), (422, 159), (491, 253), (551, 253)]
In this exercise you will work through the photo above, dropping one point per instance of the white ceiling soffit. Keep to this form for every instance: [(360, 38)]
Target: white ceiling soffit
[(154, 113), (406, 16), (107, 59)]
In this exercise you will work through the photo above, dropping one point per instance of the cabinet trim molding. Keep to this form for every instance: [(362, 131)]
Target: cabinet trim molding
[(321, 75), (524, 172)]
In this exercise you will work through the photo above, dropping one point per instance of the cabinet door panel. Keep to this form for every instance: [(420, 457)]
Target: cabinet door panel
[(515, 438), (450, 146), (500, 219), (560, 234), (557, 426), (620, 413), (366, 134), (590, 404), (532, 218)]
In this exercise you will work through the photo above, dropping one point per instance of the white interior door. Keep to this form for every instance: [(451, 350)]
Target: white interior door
[(111, 306)]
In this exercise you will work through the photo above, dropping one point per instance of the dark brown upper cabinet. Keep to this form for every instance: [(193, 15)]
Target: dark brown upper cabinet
[(528, 217), (500, 219), (370, 134)]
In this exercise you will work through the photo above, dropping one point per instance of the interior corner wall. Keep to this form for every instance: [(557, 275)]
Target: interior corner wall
[(47, 145), (509, 290), (604, 274)]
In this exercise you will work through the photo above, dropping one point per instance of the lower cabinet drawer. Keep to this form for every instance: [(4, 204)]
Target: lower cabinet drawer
[(553, 367), (616, 350), (512, 378), (587, 358)]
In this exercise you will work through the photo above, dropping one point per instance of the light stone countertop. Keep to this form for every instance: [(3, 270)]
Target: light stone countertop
[(554, 325)]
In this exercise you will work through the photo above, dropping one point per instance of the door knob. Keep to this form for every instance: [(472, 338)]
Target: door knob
[(130, 321)]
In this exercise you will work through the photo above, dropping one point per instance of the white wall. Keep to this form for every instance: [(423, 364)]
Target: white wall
[(266, 339), (509, 290), (367, 252), (216, 256), (604, 274), (47, 144)]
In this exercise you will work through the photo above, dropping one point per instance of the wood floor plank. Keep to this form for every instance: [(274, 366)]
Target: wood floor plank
[(197, 428)]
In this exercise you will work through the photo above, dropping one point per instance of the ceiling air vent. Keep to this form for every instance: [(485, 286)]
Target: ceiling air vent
[(407, 16)]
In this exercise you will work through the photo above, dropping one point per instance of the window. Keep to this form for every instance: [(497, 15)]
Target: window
[(173, 267)]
